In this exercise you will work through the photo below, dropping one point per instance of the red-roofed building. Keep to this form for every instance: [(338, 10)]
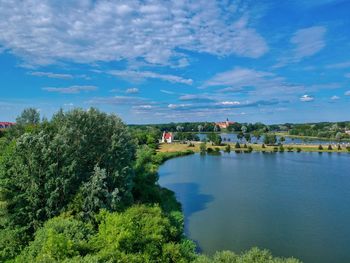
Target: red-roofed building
[(5, 125), (224, 124), (167, 137)]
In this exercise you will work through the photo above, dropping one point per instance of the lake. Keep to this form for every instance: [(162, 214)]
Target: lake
[(232, 137), (294, 204)]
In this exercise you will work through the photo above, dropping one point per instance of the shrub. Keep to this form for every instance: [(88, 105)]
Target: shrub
[(290, 149), (330, 147), (298, 149), (237, 145), (281, 148), (320, 147)]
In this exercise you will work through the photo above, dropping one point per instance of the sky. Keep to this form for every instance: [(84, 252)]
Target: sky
[(164, 61)]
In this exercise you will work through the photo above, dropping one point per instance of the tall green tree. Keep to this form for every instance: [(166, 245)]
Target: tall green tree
[(44, 171), (28, 116)]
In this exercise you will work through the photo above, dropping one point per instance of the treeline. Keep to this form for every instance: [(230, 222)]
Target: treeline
[(327, 130), (83, 187)]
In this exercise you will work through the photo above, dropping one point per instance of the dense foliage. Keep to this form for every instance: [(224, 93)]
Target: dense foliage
[(83, 187)]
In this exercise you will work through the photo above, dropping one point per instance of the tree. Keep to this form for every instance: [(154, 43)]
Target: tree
[(215, 138), (270, 139), (237, 145), (244, 129), (247, 137), (41, 174), (228, 148), (203, 148), (142, 234), (200, 128), (29, 116), (282, 139), (60, 238)]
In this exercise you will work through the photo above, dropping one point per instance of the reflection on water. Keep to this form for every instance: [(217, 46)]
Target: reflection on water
[(295, 204)]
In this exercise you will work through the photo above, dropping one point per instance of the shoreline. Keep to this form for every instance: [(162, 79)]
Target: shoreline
[(181, 147)]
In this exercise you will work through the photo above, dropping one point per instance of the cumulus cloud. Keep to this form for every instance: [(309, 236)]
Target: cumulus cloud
[(140, 75), (71, 89), (132, 91), (51, 75), (306, 98), (45, 32)]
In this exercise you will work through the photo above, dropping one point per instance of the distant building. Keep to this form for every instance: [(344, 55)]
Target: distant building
[(224, 124), (347, 132), (167, 137), (5, 125)]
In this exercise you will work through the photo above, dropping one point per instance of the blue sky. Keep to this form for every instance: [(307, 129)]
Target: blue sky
[(181, 60)]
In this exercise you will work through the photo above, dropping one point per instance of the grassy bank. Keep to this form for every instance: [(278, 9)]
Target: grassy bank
[(179, 147)]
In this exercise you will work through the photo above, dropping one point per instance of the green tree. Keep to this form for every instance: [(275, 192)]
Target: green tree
[(270, 139), (30, 116), (43, 171), (60, 238), (215, 138), (203, 148), (142, 234)]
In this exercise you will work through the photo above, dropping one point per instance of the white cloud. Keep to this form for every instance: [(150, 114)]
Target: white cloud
[(118, 100), (71, 89), (45, 32), (345, 64), (140, 75), (51, 75), (335, 97), (259, 84), (143, 107), (347, 93), (230, 103), (306, 98), (132, 91), (308, 41)]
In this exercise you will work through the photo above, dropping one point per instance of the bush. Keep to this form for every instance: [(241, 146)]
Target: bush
[(320, 147), (330, 147), (298, 149), (275, 149), (250, 149), (253, 255), (263, 146), (290, 149), (237, 145), (281, 148), (228, 148)]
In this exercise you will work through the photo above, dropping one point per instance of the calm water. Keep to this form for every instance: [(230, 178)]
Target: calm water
[(232, 137), (295, 204)]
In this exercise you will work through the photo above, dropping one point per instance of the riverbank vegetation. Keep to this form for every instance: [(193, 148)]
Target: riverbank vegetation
[(335, 131), (83, 187), (197, 147)]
